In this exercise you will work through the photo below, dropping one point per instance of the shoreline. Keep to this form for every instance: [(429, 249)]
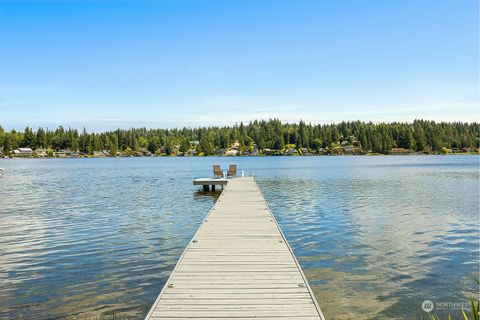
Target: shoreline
[(257, 156)]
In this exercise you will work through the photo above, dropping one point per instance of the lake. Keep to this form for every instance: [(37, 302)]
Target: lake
[(375, 236)]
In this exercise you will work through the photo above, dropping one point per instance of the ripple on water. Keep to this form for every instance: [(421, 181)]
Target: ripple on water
[(374, 235)]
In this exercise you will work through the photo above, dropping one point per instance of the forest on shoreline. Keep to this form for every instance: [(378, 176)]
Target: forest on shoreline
[(255, 138)]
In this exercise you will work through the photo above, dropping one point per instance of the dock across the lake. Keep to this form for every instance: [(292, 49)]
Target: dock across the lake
[(238, 265)]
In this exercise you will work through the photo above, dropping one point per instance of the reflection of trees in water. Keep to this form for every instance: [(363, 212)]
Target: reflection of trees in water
[(376, 242)]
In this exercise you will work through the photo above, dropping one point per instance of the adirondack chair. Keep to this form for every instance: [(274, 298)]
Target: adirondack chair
[(232, 171), (217, 172)]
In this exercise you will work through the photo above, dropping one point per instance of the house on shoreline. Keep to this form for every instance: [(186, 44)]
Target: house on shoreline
[(232, 152), (400, 151), (343, 148), (41, 153), (22, 152), (66, 153)]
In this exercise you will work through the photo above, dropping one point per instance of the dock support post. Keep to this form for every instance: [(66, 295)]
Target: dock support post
[(205, 187)]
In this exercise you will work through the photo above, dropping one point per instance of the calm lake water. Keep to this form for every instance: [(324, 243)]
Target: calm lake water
[(376, 236)]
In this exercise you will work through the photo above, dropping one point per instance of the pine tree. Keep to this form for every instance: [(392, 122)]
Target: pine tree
[(29, 139)]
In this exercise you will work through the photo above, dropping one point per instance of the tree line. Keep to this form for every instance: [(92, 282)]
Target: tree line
[(419, 136)]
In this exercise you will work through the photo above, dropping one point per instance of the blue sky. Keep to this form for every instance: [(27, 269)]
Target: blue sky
[(108, 64)]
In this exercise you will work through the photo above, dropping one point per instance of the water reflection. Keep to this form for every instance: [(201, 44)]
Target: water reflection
[(375, 244), (212, 194), (375, 235)]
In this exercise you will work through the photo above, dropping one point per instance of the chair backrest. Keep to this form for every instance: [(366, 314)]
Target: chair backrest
[(232, 169), (216, 170)]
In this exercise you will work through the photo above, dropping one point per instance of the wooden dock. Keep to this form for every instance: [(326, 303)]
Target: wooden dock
[(238, 265)]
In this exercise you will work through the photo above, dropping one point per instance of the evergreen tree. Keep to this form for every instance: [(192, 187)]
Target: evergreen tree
[(113, 146), (206, 145), (41, 139), (421, 135), (29, 139)]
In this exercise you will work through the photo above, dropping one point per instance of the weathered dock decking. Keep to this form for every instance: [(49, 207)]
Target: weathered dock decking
[(238, 265)]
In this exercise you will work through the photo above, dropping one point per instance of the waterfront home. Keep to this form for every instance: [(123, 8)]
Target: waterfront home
[(400, 151), (40, 152), (99, 154), (66, 153), (220, 152), (232, 152), (148, 153), (304, 152), (348, 149), (354, 140), (145, 152), (192, 152), (254, 151), (23, 152), (267, 151), (291, 151), (62, 153)]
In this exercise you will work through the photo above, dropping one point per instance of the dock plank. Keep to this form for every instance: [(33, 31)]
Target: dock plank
[(238, 265)]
